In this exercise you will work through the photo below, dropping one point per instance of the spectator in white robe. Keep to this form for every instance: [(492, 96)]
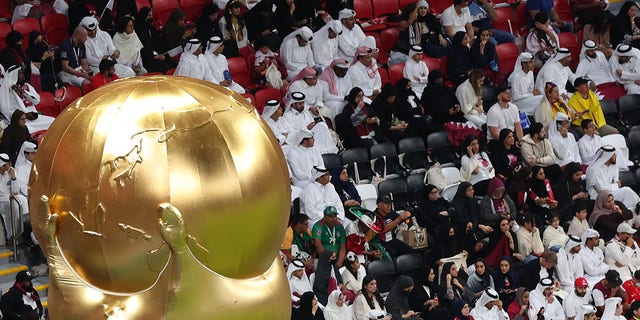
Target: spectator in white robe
[(604, 175), (302, 157), (352, 35), (594, 64), (8, 188), (622, 252), (469, 94), (564, 143), (592, 257), (613, 309), (325, 43), (554, 237), (298, 280), (625, 67), (556, 70), (61, 7), (306, 82), (489, 307), (586, 312), (296, 52), (127, 42), (578, 295), (569, 266), (542, 297), (297, 118), (272, 115), (16, 94), (416, 70), (192, 62), (336, 85), (523, 90), (218, 65), (590, 142), (364, 73), (99, 45), (24, 162), (320, 194)]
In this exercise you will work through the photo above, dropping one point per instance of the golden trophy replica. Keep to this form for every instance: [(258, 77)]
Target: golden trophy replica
[(162, 198)]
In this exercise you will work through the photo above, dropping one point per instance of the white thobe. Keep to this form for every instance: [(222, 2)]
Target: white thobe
[(577, 227), (568, 269), (593, 264), (295, 57), (572, 303), (629, 258), (325, 51), (419, 70), (588, 147), (280, 131), (468, 98), (350, 41), (61, 7), (7, 186), (316, 197), (301, 160), (597, 69), (482, 313), (566, 149), (100, 46), (193, 66), (556, 73), (217, 65), (630, 73), (314, 95), (360, 78), (606, 178), (296, 121), (522, 85), (552, 311), (336, 102)]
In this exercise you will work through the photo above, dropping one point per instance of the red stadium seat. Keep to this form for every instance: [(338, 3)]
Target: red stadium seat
[(521, 18), (251, 98), (47, 105), (437, 6), (239, 71), (5, 9), (56, 28), (432, 63), (171, 71), (505, 20), (563, 9), (192, 8), (385, 8), (143, 3), (73, 93), (364, 9), (162, 10), (264, 95), (5, 28), (568, 40), (507, 55), (25, 26), (388, 39), (384, 76), (396, 73)]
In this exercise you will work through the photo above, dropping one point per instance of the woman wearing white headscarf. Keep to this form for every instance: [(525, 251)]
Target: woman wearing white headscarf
[(522, 82), (416, 70), (127, 42), (564, 143), (218, 65), (325, 44), (489, 307), (336, 308), (613, 309), (542, 297), (298, 280), (192, 63), (605, 175), (296, 51)]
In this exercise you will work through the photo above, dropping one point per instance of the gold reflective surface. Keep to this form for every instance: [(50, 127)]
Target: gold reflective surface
[(162, 198)]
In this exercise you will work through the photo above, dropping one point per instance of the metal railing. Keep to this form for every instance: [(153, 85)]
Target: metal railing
[(20, 227)]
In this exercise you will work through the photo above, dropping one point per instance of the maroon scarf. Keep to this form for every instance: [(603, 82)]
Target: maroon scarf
[(33, 295)]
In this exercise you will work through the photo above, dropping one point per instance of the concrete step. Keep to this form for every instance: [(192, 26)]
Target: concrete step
[(6, 255), (9, 270)]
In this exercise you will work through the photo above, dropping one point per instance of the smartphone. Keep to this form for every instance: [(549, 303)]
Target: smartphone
[(317, 120), (227, 75)]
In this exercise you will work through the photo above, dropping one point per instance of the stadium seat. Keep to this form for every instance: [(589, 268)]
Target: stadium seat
[(385, 8), (369, 195), (384, 76), (47, 105), (25, 26), (56, 28), (249, 98), (72, 94), (389, 38), (358, 161), (521, 18), (363, 9), (171, 71), (432, 63), (5, 28), (563, 10), (629, 111), (396, 188), (240, 72), (410, 264), (633, 140), (331, 160), (505, 20), (384, 160), (162, 10), (384, 272), (489, 96), (611, 114), (568, 40), (437, 6), (192, 8), (396, 73), (264, 95), (413, 154), (507, 56), (5, 10), (143, 3), (440, 149)]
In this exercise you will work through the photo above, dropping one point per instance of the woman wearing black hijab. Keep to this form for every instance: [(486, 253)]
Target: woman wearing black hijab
[(309, 309), (152, 52), (345, 189), (207, 25), (439, 101), (459, 58), (451, 285), (14, 54), (284, 19), (397, 302), (625, 27), (424, 296), (42, 58), (410, 110), (505, 155), (261, 23), (385, 107), (569, 189), (357, 120), (324, 283), (14, 135)]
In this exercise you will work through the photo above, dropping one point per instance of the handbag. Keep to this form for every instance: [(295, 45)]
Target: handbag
[(414, 236), (435, 176), (273, 76)]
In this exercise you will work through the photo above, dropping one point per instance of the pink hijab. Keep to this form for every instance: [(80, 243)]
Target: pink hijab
[(328, 75)]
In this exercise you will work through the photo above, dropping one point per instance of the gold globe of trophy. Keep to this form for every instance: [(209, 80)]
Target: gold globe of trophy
[(162, 198)]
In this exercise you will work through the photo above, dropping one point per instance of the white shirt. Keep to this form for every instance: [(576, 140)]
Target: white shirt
[(413, 69), (597, 69), (554, 237), (572, 303), (450, 18), (301, 160), (343, 86), (193, 66), (279, 129), (577, 227), (295, 57), (630, 70), (603, 178), (98, 47), (529, 242), (502, 117), (217, 64), (485, 171), (588, 147), (314, 95), (467, 97), (482, 313), (350, 41), (325, 50), (593, 264), (359, 75), (522, 85), (316, 197), (566, 149), (617, 252), (556, 73), (568, 269)]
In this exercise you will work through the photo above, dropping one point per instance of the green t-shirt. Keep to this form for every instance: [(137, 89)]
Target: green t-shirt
[(331, 238)]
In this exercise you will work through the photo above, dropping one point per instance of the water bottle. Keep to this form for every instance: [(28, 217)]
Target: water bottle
[(493, 64)]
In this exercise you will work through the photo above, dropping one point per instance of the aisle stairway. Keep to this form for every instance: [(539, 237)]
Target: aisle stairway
[(9, 268)]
